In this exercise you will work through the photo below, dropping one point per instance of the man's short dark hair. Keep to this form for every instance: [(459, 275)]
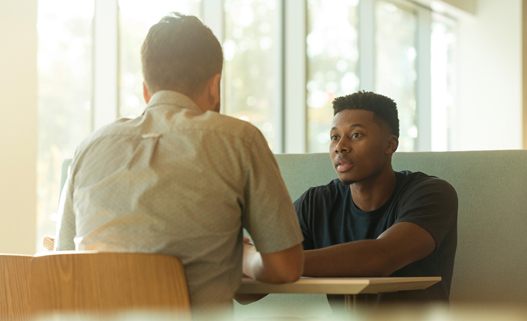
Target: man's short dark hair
[(180, 53), (384, 108)]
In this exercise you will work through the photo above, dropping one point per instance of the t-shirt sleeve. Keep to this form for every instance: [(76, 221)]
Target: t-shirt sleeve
[(304, 216), (432, 204), (269, 215)]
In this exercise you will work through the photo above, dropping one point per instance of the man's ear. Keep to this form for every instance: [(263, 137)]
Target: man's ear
[(393, 143), (146, 93), (213, 89)]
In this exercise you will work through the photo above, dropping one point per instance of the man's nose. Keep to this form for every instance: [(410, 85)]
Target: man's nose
[(342, 146)]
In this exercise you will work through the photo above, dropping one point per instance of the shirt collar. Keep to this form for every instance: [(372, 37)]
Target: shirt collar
[(169, 97)]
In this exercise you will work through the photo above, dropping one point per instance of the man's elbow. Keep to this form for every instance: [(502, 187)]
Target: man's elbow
[(290, 274), (286, 266), (284, 276)]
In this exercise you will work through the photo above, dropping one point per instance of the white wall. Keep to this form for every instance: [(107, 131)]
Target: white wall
[(18, 125), (489, 84)]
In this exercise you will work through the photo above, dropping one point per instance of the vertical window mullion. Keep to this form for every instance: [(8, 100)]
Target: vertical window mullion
[(295, 112), (106, 63), (278, 104), (424, 79), (213, 15), (367, 45)]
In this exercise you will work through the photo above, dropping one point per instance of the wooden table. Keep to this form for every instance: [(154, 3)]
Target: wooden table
[(349, 287)]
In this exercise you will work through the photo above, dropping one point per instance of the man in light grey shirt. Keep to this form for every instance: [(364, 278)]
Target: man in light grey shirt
[(182, 179)]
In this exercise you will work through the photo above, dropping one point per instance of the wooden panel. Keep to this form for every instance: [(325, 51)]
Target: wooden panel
[(340, 285), (524, 73), (404, 284), (105, 281), (14, 287)]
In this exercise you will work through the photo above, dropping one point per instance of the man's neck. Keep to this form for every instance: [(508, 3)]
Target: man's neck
[(372, 193)]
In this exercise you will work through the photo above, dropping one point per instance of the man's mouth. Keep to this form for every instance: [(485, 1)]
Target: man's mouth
[(343, 166)]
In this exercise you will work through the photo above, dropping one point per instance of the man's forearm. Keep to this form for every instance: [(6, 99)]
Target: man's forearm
[(398, 246), (360, 258)]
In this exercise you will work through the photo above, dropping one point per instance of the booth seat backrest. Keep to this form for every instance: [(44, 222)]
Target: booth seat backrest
[(491, 258)]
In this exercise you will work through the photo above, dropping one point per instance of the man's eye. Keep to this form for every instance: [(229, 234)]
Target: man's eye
[(333, 137), (356, 135)]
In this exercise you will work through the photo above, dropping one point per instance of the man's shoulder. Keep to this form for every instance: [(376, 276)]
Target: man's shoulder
[(419, 182), (212, 122), (229, 124), (419, 178), (331, 190), (113, 128)]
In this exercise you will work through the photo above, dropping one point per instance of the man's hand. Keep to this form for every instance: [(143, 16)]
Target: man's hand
[(247, 248), (277, 267)]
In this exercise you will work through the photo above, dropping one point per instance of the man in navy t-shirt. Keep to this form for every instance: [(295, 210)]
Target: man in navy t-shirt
[(372, 221)]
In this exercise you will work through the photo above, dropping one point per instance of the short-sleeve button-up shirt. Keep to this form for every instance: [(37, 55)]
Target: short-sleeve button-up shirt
[(181, 182)]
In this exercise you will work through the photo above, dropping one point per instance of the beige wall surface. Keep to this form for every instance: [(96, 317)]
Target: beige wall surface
[(466, 6), (488, 112), (18, 125)]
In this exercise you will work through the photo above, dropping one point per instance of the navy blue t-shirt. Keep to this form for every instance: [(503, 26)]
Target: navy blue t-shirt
[(328, 216)]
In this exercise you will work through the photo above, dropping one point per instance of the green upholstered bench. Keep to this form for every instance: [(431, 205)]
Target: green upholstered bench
[(491, 258)]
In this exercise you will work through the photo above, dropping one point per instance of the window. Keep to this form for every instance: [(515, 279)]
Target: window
[(442, 64), (395, 72), (64, 98), (252, 75), (332, 64)]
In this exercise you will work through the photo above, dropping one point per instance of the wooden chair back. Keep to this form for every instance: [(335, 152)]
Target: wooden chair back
[(103, 282), (14, 287)]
